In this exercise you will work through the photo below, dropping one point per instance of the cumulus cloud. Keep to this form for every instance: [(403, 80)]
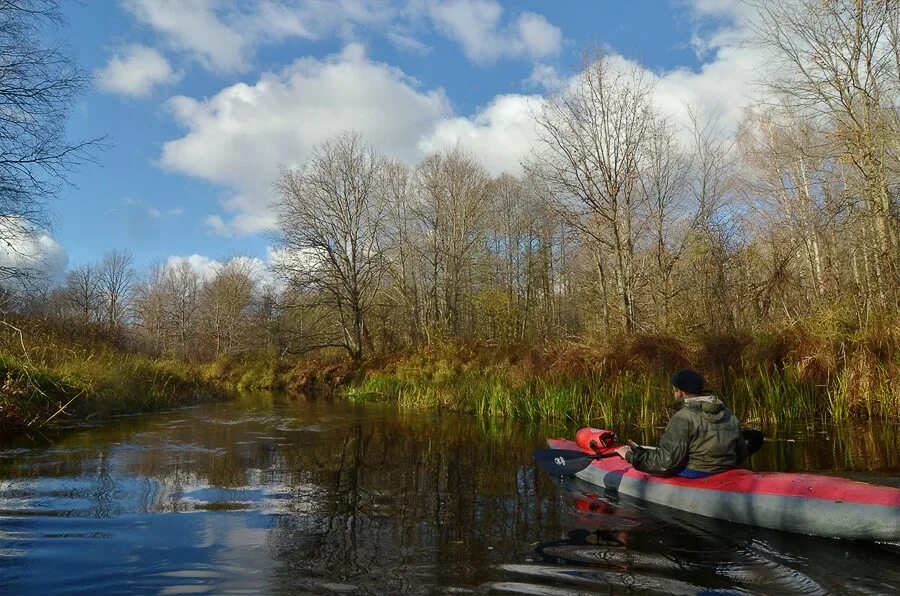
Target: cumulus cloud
[(202, 265), (724, 85), (242, 135), (502, 132), (498, 135), (546, 77), (224, 36), (195, 27), (29, 251), (207, 268), (135, 71), (475, 24)]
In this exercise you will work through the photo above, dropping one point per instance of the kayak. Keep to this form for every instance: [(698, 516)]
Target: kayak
[(804, 503)]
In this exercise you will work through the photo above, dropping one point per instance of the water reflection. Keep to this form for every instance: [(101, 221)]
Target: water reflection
[(286, 496)]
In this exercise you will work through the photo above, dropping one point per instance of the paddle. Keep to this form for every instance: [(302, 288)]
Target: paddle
[(566, 462)]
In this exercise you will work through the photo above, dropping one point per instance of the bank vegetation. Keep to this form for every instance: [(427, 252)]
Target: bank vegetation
[(633, 243)]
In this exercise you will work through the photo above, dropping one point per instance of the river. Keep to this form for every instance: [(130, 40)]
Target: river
[(276, 495)]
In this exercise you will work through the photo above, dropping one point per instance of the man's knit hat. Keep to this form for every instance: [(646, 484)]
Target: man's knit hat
[(689, 381)]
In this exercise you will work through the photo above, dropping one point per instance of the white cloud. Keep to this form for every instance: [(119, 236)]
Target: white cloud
[(498, 135), (223, 35), (475, 24), (26, 249), (207, 268), (545, 76), (135, 71), (502, 132), (241, 136), (405, 41), (194, 26), (202, 265), (142, 209), (725, 82), (729, 9), (724, 85)]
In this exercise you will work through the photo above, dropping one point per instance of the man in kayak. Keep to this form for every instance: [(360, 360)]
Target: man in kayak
[(703, 438)]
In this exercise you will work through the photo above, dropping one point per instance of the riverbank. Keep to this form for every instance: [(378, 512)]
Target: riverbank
[(789, 374), (50, 375), (35, 396)]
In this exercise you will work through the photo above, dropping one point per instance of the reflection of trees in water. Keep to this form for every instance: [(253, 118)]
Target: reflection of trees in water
[(363, 495), (408, 510)]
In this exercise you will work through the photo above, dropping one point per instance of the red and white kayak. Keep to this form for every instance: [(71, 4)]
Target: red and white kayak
[(804, 503)]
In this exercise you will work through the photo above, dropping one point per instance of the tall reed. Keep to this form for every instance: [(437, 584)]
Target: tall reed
[(763, 395)]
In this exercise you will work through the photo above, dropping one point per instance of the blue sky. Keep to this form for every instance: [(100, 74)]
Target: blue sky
[(202, 100)]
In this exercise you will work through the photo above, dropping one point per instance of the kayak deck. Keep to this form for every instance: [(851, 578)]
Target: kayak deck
[(805, 503)]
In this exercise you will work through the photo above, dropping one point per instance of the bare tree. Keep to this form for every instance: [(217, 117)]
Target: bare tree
[(451, 207), (38, 83), (226, 303), (590, 139), (664, 181), (83, 294), (331, 215), (151, 309), (837, 61), (404, 248), (117, 278), (181, 296)]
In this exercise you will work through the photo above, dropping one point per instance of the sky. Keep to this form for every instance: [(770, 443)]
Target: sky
[(202, 102)]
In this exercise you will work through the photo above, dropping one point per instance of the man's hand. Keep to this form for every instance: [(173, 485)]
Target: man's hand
[(623, 450)]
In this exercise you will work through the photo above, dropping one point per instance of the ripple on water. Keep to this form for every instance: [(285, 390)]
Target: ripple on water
[(596, 578)]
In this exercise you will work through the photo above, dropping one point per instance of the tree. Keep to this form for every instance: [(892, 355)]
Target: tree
[(38, 83), (83, 294), (181, 298), (589, 144), (331, 215), (664, 181), (117, 278), (404, 249), (450, 210), (837, 61), (226, 302), (151, 309)]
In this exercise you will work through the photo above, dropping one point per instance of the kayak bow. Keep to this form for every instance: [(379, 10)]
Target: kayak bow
[(804, 503)]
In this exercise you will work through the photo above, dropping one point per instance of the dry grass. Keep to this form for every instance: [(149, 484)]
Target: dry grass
[(49, 375), (797, 373)]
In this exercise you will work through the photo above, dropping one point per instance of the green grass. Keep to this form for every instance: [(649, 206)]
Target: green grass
[(492, 395), (764, 394), (51, 375), (249, 371), (103, 385)]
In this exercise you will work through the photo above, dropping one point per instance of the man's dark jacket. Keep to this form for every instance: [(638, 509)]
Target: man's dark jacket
[(703, 435)]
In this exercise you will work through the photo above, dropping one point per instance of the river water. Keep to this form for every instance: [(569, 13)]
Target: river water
[(273, 495)]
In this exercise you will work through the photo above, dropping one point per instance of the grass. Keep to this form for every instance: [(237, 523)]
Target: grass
[(785, 375), (492, 396), (810, 372), (249, 371), (60, 377)]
